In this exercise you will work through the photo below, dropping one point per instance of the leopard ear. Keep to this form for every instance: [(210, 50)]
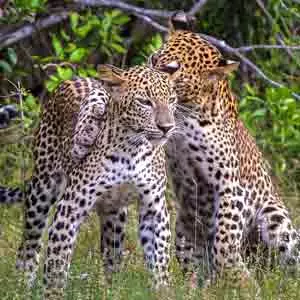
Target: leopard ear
[(111, 74), (220, 72), (181, 21)]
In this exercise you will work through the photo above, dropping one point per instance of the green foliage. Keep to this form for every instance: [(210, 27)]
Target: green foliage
[(149, 46), (30, 5), (31, 110), (22, 10), (89, 34), (250, 24), (8, 61), (16, 156), (274, 121)]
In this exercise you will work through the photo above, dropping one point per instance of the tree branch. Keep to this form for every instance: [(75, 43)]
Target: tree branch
[(196, 7), (28, 29), (272, 21), (151, 22), (126, 7), (224, 46), (236, 51), (253, 47)]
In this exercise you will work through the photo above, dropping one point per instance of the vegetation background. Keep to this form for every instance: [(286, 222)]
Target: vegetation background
[(43, 43)]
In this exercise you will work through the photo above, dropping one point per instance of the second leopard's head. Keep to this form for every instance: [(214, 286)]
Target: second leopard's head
[(203, 69), (146, 100)]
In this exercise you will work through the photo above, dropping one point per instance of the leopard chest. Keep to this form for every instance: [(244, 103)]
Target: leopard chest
[(198, 152), (123, 171), (198, 166), (126, 165)]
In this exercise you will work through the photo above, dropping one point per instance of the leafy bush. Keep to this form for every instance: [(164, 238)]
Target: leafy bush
[(73, 48), (8, 61), (274, 121)]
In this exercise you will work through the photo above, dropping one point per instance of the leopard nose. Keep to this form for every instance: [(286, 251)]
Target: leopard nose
[(165, 128)]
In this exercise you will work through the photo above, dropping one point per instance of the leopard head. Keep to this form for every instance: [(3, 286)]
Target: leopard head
[(202, 75), (146, 100)]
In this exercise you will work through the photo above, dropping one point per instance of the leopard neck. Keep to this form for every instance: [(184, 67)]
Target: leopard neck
[(215, 104)]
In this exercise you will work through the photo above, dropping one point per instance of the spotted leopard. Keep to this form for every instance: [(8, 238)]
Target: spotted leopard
[(127, 150), (225, 195), (224, 190)]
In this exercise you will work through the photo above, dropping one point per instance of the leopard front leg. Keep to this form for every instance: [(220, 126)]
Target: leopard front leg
[(226, 251), (71, 211), (192, 247), (88, 123), (112, 226), (43, 191), (154, 227)]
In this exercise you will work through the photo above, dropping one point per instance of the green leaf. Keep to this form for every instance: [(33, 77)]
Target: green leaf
[(78, 55), (70, 47), (121, 20), (54, 78), (12, 56), (92, 72), (51, 85), (65, 73), (119, 48), (31, 102), (64, 35), (59, 51), (157, 41), (83, 31), (74, 18), (82, 72), (259, 113), (5, 67), (47, 59), (117, 38), (114, 13)]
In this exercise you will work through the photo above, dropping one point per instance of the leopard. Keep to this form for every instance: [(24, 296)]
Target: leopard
[(227, 203), (73, 175), (225, 192)]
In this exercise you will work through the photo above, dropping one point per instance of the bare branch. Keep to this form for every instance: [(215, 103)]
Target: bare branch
[(145, 14), (28, 29), (152, 23), (265, 11), (196, 7), (253, 47), (224, 46), (126, 7), (55, 65)]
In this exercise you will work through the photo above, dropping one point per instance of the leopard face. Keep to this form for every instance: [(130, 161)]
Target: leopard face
[(147, 102), (203, 70)]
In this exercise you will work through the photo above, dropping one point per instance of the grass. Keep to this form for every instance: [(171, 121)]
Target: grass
[(86, 279)]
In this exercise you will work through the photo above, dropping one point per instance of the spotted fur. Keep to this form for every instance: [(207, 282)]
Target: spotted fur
[(223, 185), (127, 150), (226, 199)]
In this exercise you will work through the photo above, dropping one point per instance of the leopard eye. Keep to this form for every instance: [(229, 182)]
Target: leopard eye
[(145, 102), (173, 100)]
